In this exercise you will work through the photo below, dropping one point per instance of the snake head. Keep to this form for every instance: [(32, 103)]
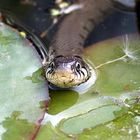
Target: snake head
[(66, 72)]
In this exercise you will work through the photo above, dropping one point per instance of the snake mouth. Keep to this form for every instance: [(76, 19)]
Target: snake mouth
[(67, 72), (65, 78)]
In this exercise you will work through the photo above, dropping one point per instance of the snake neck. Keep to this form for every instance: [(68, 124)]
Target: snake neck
[(74, 29)]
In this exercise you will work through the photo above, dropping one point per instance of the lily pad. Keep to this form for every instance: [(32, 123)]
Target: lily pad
[(20, 98)]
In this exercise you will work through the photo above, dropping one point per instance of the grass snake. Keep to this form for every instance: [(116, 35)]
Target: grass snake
[(66, 66)]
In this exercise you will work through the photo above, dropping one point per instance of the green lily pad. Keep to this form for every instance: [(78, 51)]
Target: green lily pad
[(20, 98)]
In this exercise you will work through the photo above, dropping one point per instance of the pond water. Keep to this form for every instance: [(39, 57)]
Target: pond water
[(105, 108)]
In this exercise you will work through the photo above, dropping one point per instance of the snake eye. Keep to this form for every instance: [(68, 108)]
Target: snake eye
[(78, 66)]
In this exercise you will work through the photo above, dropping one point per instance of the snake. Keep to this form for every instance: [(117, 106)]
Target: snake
[(66, 66)]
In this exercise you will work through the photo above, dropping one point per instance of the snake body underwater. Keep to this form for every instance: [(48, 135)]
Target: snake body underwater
[(66, 67)]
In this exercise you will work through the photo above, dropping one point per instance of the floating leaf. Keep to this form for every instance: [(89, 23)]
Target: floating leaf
[(19, 98)]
